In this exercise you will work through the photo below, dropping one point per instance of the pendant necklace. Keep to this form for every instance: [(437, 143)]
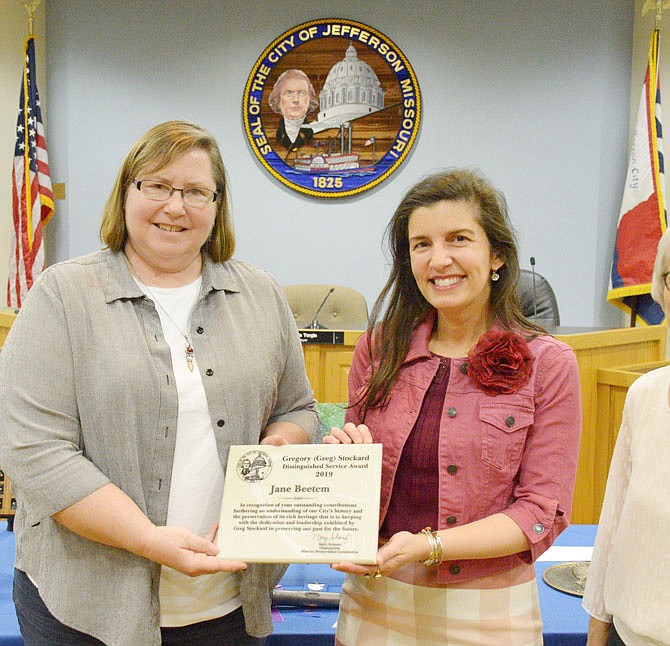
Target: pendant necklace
[(187, 337), (189, 347)]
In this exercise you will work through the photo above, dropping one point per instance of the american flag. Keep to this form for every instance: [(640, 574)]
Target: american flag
[(32, 197)]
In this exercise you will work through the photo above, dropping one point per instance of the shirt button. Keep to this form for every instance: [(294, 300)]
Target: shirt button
[(510, 421), (455, 569), (452, 412), (538, 528), (221, 423), (451, 520), (451, 469), (209, 372), (463, 368), (200, 330)]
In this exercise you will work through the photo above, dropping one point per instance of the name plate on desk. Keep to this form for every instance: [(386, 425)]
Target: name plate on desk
[(301, 503), (333, 337)]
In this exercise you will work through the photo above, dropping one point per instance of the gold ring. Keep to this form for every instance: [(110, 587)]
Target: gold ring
[(378, 574)]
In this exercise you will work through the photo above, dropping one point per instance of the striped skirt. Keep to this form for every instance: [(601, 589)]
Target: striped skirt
[(474, 613)]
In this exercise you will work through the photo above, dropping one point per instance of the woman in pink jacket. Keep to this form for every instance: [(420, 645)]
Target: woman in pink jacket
[(479, 413)]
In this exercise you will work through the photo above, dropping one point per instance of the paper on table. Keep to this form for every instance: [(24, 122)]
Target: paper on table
[(567, 553)]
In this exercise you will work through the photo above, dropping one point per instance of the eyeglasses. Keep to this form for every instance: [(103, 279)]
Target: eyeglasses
[(665, 279), (195, 196)]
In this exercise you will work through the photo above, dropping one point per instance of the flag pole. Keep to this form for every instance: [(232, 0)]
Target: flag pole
[(31, 6), (657, 6)]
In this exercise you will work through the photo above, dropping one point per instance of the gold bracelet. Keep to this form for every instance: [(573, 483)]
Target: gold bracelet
[(436, 547)]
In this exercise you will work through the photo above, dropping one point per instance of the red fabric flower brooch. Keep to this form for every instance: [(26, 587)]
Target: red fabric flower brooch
[(500, 363)]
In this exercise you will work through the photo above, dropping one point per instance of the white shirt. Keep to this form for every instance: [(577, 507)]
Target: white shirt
[(196, 489), (292, 127), (630, 568)]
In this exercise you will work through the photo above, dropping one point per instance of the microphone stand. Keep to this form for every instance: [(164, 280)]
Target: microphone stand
[(315, 325)]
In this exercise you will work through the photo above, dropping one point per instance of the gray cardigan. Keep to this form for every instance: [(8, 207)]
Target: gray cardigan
[(88, 396)]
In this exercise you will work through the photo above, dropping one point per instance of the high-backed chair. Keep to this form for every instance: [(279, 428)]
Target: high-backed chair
[(344, 309), (541, 297)]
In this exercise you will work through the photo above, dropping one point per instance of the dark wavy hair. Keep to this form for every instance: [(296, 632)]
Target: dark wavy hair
[(400, 300)]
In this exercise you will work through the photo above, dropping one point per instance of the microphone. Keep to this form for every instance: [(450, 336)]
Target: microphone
[(532, 268), (315, 325)]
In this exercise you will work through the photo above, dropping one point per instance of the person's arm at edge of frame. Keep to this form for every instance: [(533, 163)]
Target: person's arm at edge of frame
[(598, 632), (593, 600)]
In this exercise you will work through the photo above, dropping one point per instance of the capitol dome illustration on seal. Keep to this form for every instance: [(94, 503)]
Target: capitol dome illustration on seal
[(351, 90)]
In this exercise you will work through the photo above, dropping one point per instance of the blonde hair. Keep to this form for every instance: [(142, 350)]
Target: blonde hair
[(154, 150)]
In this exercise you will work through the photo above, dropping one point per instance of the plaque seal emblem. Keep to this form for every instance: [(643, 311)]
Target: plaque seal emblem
[(331, 108), (254, 466)]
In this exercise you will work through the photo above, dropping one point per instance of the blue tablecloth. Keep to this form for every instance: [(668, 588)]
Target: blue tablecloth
[(565, 622), (9, 625)]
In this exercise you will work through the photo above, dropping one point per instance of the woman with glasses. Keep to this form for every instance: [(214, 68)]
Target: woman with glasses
[(126, 377), (627, 592)]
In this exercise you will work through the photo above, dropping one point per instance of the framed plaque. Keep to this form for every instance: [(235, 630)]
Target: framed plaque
[(301, 503), (331, 107)]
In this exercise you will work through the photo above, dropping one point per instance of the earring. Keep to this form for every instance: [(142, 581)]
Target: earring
[(495, 276)]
